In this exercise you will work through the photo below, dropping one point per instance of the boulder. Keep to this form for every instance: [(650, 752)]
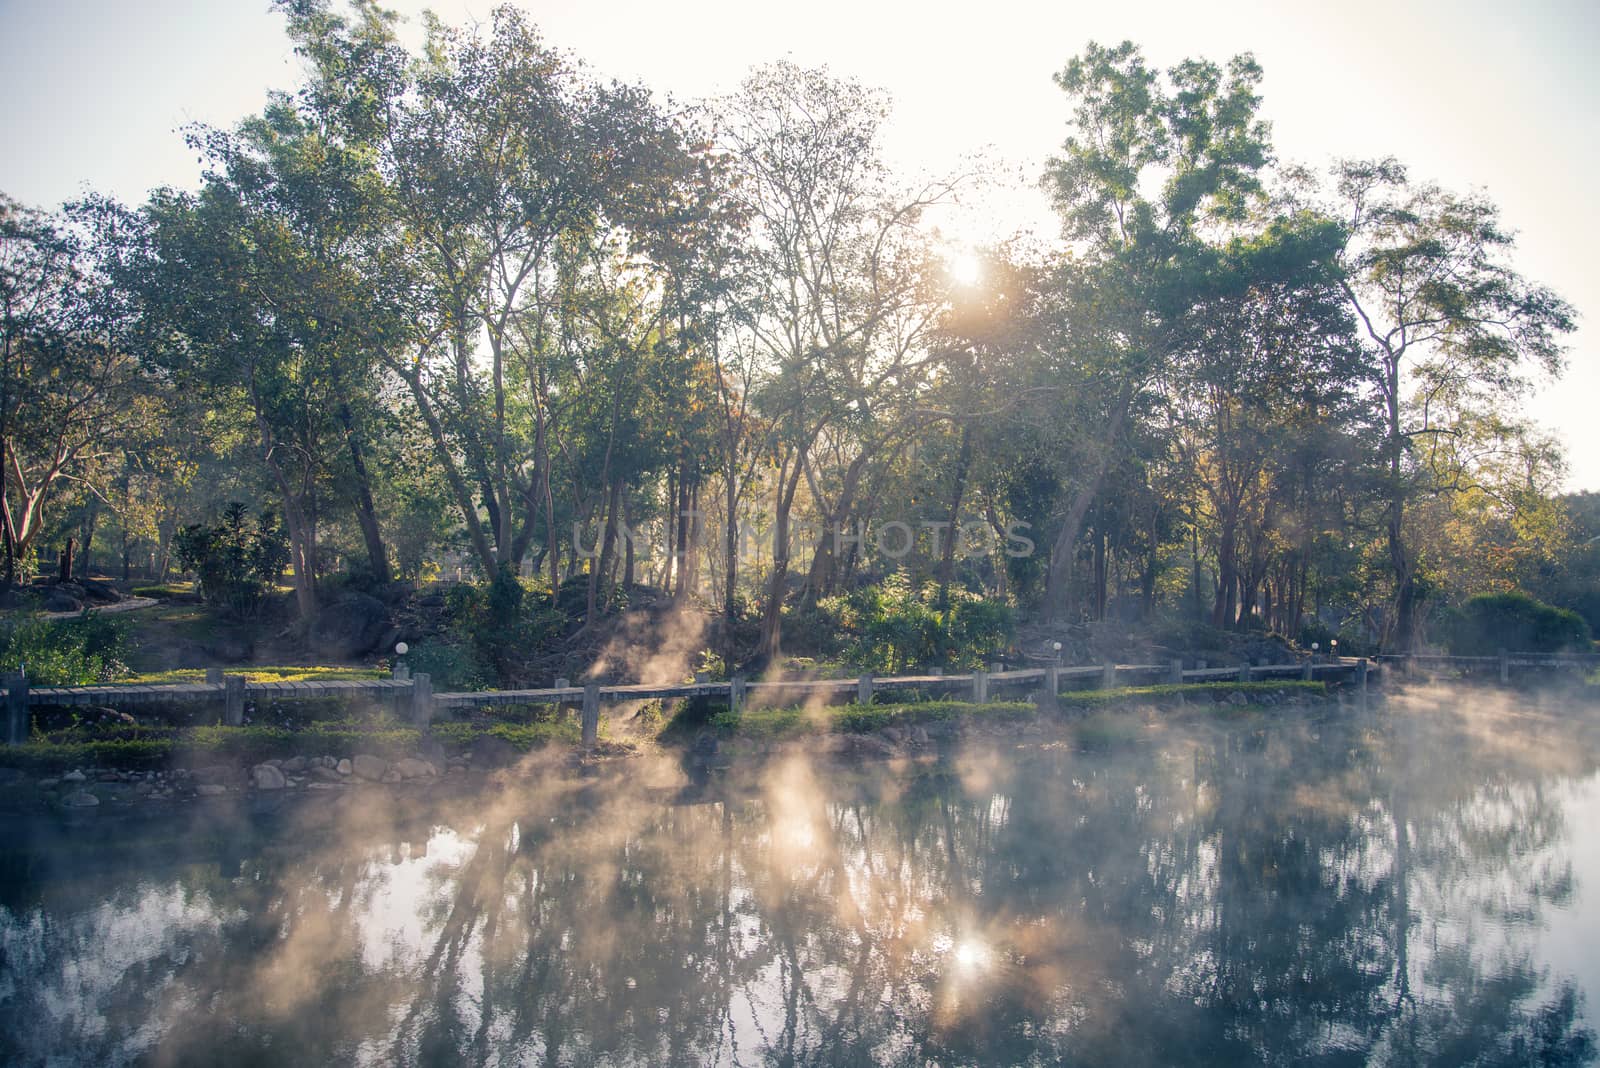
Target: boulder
[(74, 776), (344, 767), (489, 750), (366, 766), (294, 765), (322, 774), (229, 648), (413, 768), (351, 626), (210, 789), (99, 591), (62, 601), (80, 799), (267, 777), (49, 784)]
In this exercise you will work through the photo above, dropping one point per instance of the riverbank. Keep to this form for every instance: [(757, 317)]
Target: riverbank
[(122, 763)]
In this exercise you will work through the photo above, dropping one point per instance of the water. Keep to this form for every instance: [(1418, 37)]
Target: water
[(1415, 886)]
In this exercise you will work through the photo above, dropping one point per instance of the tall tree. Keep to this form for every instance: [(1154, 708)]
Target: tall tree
[(1427, 273)]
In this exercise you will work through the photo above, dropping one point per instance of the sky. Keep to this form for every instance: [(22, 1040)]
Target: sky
[(1500, 97)]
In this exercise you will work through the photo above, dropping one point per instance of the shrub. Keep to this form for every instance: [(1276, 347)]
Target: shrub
[(76, 652), (894, 626), (236, 563), (1515, 622)]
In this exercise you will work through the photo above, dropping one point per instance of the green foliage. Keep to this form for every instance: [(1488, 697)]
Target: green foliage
[(236, 562), (892, 627), (453, 666), (76, 652), (1514, 622), (521, 736), (767, 723), (494, 629)]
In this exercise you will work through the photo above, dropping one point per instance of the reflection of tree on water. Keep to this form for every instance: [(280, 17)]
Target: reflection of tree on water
[(1239, 894)]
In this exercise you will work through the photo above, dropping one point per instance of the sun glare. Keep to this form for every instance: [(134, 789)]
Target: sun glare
[(965, 268)]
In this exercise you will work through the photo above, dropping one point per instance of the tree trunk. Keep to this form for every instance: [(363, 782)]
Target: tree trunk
[(1064, 551), (366, 514)]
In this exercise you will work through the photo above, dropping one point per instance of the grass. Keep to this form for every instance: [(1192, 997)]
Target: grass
[(156, 747), (796, 721), (164, 590), (262, 673)]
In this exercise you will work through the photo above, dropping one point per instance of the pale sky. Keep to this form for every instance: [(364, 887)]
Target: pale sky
[(1498, 96)]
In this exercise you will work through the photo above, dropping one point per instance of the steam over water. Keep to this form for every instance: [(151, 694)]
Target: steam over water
[(1419, 884)]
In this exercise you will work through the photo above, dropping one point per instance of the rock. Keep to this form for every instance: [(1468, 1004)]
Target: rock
[(322, 774), (143, 788), (325, 786), (920, 736), (210, 789), (1237, 698), (893, 735), (350, 627), (62, 601), (74, 776), (230, 648), (216, 773), (294, 765), (80, 799), (870, 745), (413, 768), (390, 776), (490, 751), (275, 762), (366, 766), (267, 777), (344, 767), (98, 591), (49, 784)]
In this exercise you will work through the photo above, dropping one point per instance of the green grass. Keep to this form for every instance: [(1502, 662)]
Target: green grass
[(1090, 700), (262, 673), (155, 747), (793, 721), (164, 590), (796, 721)]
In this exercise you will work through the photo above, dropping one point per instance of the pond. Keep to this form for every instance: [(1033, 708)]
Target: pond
[(1417, 883)]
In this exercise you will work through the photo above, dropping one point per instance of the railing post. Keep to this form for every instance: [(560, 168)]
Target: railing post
[(591, 713), (980, 686), (1244, 671), (736, 694), (1361, 676), (1175, 676), (1052, 680), (864, 689), (1305, 671), (1108, 675), (561, 706), (421, 700), (213, 676), (17, 709), (401, 673), (233, 700), (1505, 666)]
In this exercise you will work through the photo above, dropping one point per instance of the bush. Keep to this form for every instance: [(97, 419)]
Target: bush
[(76, 652), (892, 627), (1514, 622), (236, 563), (452, 666)]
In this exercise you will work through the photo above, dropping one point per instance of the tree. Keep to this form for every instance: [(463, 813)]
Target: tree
[(1153, 172), (1445, 313), (833, 297), (70, 390)]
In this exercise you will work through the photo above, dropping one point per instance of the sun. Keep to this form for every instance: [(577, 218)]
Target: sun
[(964, 267)]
